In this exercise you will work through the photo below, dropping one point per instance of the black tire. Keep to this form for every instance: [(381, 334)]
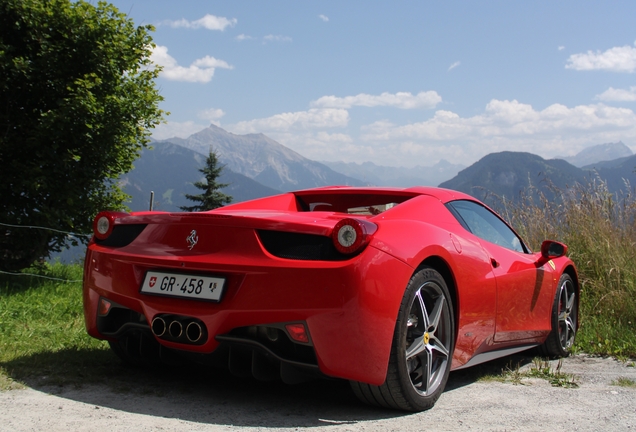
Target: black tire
[(565, 313), (422, 348)]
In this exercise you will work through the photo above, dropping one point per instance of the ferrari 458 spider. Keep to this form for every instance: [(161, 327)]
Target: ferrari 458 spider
[(388, 288)]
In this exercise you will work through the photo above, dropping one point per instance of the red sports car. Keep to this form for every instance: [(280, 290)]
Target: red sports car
[(388, 288)]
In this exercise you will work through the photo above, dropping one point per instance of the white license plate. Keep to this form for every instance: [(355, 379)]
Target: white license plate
[(183, 285)]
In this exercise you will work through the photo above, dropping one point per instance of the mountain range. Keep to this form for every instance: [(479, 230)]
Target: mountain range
[(510, 174), (257, 166), (254, 166), (599, 153), (398, 176), (264, 160)]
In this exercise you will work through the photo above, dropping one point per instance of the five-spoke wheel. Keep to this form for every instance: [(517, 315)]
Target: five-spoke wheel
[(564, 319), (422, 348), (428, 338)]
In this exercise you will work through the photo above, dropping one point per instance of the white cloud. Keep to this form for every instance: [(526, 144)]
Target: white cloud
[(212, 115), (617, 59), (338, 138), (268, 38), (325, 18), (504, 125), (209, 22), (618, 95), (454, 65), (403, 100), (175, 129), (243, 37), (508, 119), (561, 48), (306, 132), (277, 38), (300, 120), (201, 70)]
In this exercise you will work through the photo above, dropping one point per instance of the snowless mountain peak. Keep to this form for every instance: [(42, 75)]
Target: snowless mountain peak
[(599, 153), (263, 159)]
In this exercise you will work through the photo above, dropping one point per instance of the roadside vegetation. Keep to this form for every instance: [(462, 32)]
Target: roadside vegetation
[(42, 334), (513, 372), (624, 382), (43, 339)]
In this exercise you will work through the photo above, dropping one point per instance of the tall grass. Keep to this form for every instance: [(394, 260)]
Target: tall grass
[(599, 229)]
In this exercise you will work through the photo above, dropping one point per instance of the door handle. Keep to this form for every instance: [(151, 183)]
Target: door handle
[(494, 262)]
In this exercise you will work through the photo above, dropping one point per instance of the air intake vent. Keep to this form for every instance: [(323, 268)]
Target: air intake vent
[(122, 235), (300, 246)]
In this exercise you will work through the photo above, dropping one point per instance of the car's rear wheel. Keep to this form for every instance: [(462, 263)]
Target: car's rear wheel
[(422, 348), (564, 319)]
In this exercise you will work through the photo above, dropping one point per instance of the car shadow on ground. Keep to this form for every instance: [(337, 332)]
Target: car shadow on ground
[(210, 396), (492, 370)]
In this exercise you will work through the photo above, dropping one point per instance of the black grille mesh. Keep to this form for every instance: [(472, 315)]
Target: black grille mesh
[(122, 235), (300, 246)]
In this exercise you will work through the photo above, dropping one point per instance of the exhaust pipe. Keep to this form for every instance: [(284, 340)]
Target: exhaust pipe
[(158, 326), (175, 329), (194, 332), (178, 328)]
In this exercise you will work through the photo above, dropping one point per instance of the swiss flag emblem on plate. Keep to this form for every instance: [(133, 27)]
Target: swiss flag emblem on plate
[(152, 281)]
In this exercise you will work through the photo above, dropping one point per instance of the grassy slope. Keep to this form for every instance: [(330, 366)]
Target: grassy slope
[(42, 334)]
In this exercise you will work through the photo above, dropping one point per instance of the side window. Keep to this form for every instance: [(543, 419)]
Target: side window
[(486, 225)]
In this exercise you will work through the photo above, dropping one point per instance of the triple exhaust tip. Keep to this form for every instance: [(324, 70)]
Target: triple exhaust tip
[(174, 329)]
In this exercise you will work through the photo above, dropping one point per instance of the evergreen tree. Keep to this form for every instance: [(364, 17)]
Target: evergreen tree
[(211, 197)]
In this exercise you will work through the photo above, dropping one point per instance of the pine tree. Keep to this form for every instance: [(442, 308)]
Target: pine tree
[(211, 197)]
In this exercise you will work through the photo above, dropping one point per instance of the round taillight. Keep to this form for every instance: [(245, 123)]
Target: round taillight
[(350, 235), (103, 225)]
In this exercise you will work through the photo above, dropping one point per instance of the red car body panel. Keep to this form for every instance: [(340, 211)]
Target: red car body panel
[(502, 298)]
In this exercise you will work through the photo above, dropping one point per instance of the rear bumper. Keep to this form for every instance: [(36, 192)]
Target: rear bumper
[(349, 307)]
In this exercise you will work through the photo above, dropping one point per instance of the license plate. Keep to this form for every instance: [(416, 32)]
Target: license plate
[(183, 285)]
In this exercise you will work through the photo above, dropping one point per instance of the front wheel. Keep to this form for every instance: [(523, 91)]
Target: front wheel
[(422, 348), (564, 320)]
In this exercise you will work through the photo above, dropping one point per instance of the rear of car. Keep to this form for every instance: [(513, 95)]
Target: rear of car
[(287, 285)]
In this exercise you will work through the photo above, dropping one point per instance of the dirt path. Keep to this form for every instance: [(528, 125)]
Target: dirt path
[(233, 404)]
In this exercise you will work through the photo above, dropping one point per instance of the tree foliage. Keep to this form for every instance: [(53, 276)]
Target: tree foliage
[(77, 100), (211, 197)]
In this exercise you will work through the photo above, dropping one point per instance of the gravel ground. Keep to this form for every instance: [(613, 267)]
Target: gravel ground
[(228, 404)]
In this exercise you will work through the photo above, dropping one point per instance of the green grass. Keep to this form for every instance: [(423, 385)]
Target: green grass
[(42, 333), (542, 369), (44, 344), (624, 382), (512, 372)]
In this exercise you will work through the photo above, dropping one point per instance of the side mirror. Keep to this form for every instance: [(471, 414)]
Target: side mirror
[(553, 249)]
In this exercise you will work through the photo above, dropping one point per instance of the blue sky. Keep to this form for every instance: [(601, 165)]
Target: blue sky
[(399, 83)]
